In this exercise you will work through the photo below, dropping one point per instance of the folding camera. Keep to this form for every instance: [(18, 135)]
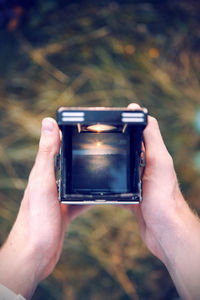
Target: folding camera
[(101, 155)]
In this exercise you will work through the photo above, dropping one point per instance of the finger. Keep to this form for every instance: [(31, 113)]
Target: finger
[(49, 145), (70, 212), (134, 106), (75, 210)]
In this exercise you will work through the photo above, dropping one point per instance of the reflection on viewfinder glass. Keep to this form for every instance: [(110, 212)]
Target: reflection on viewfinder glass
[(99, 162)]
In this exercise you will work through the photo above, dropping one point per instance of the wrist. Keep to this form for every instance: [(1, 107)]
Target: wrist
[(180, 246), (20, 269), (178, 226), (181, 233)]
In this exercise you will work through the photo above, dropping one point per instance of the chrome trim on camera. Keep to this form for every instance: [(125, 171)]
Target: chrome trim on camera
[(133, 120), (132, 114), (73, 119), (73, 114), (99, 203), (132, 117)]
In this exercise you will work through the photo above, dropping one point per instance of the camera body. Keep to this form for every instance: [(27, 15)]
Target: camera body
[(101, 155)]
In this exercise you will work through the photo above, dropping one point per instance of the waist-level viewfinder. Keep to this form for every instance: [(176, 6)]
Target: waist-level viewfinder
[(100, 155)]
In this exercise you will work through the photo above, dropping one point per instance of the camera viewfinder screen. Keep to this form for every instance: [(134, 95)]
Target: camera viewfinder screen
[(100, 162)]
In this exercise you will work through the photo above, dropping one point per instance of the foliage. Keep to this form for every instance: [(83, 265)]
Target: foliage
[(81, 53)]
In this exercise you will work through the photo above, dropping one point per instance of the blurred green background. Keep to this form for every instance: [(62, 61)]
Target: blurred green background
[(99, 53)]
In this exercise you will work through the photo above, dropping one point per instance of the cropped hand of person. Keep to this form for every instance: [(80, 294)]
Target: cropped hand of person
[(35, 242), (167, 225)]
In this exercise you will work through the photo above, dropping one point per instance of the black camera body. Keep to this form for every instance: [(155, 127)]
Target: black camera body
[(100, 155)]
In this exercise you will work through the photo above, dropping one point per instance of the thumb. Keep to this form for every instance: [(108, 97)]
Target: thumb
[(157, 154), (42, 179), (49, 145)]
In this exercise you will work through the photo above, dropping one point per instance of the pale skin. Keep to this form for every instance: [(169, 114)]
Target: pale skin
[(35, 242), (167, 225)]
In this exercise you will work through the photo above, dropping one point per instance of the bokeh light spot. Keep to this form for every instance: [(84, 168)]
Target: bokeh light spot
[(129, 49), (154, 52)]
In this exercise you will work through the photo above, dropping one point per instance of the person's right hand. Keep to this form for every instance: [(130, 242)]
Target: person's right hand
[(35, 242), (167, 225)]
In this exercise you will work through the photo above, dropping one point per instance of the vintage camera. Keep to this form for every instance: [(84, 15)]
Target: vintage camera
[(101, 155)]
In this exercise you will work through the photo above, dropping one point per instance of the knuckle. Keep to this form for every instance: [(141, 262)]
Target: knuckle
[(167, 162), (153, 122), (170, 161), (164, 162), (45, 147), (134, 106)]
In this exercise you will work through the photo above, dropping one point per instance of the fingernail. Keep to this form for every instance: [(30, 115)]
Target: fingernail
[(47, 125)]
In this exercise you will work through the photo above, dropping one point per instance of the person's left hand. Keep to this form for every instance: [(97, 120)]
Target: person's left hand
[(35, 241)]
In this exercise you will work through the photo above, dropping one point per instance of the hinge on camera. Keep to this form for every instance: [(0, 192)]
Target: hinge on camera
[(142, 159), (57, 162), (57, 170)]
